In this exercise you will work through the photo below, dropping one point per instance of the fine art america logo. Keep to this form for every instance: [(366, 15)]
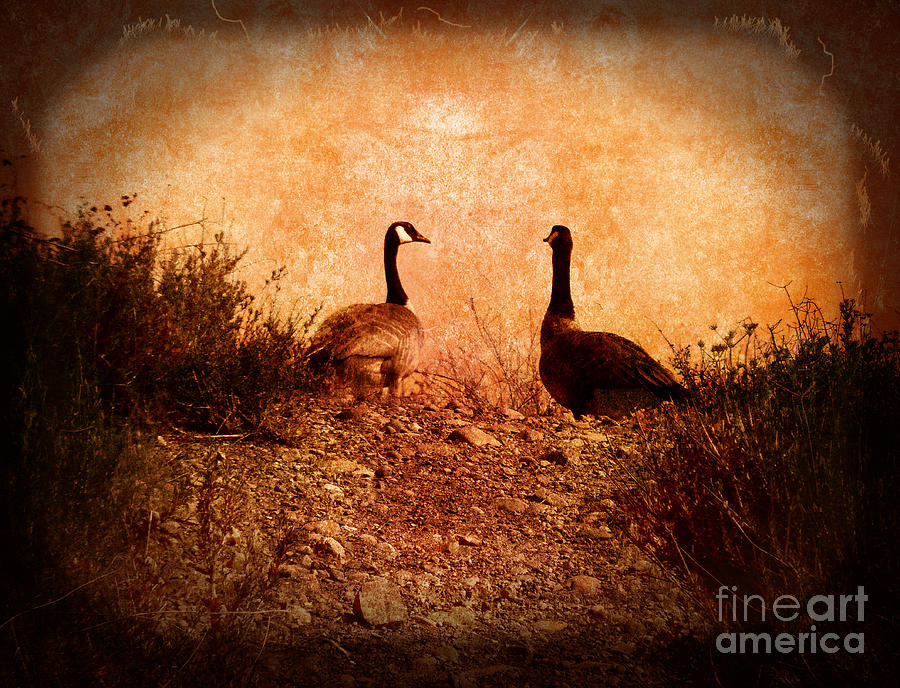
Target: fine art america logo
[(787, 608)]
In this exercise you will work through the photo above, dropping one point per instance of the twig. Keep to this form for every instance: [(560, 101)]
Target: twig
[(372, 22), (831, 73), (58, 599), (259, 654), (187, 661), (334, 642), (230, 21), (441, 19)]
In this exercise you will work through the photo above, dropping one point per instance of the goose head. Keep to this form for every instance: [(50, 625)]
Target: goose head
[(405, 233), (560, 237)]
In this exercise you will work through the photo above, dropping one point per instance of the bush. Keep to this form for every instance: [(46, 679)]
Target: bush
[(782, 476), (107, 329)]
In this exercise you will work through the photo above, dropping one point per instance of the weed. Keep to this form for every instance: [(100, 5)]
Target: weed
[(782, 477)]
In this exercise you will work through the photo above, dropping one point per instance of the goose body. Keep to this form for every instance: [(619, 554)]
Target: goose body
[(593, 372), (374, 344)]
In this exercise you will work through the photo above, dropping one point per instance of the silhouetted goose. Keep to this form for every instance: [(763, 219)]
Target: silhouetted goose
[(593, 372), (375, 343)]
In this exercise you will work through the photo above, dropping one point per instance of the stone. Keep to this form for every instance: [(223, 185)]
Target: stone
[(457, 617), (475, 436), (516, 506), (512, 414), (549, 626), (379, 603), (586, 585), (599, 532), (328, 528), (530, 435)]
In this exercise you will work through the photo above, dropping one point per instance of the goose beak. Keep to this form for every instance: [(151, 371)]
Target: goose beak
[(422, 238), (552, 236)]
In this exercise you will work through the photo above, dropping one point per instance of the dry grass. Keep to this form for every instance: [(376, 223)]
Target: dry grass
[(781, 477), (771, 28)]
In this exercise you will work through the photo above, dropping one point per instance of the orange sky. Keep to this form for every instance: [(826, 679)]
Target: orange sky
[(696, 167)]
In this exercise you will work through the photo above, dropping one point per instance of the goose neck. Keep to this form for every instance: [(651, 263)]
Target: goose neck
[(395, 293), (561, 293)]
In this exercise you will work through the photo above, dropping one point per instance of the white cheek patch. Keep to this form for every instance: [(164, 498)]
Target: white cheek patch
[(404, 236)]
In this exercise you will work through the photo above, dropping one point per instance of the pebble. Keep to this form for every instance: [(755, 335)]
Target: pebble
[(379, 602), (474, 436), (600, 532), (586, 585), (549, 626), (530, 435), (512, 414), (457, 617), (516, 506)]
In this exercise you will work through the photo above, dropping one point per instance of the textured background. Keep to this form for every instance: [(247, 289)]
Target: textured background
[(697, 167)]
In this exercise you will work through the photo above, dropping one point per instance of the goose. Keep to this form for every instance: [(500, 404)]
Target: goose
[(593, 372), (374, 344)]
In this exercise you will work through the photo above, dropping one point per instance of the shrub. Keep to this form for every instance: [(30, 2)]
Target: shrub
[(491, 367), (106, 329), (782, 476)]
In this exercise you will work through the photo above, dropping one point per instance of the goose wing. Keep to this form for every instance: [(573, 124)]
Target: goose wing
[(381, 330), (610, 361)]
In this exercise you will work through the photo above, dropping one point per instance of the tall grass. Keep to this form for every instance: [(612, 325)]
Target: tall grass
[(492, 367), (782, 476), (106, 329)]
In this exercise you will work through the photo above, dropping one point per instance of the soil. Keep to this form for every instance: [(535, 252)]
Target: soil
[(414, 542)]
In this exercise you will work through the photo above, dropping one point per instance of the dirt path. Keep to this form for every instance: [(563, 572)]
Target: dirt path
[(414, 543)]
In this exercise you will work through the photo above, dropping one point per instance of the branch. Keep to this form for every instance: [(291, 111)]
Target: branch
[(831, 73), (441, 19), (230, 21)]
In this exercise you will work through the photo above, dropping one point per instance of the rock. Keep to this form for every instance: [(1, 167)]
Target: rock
[(530, 435), (341, 466), (457, 617), (332, 547), (560, 457), (512, 414), (470, 540), (298, 616), (474, 436), (599, 532), (327, 528), (586, 585), (516, 506), (549, 626), (379, 603)]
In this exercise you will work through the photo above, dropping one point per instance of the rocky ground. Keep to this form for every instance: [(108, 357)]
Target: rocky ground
[(412, 542)]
